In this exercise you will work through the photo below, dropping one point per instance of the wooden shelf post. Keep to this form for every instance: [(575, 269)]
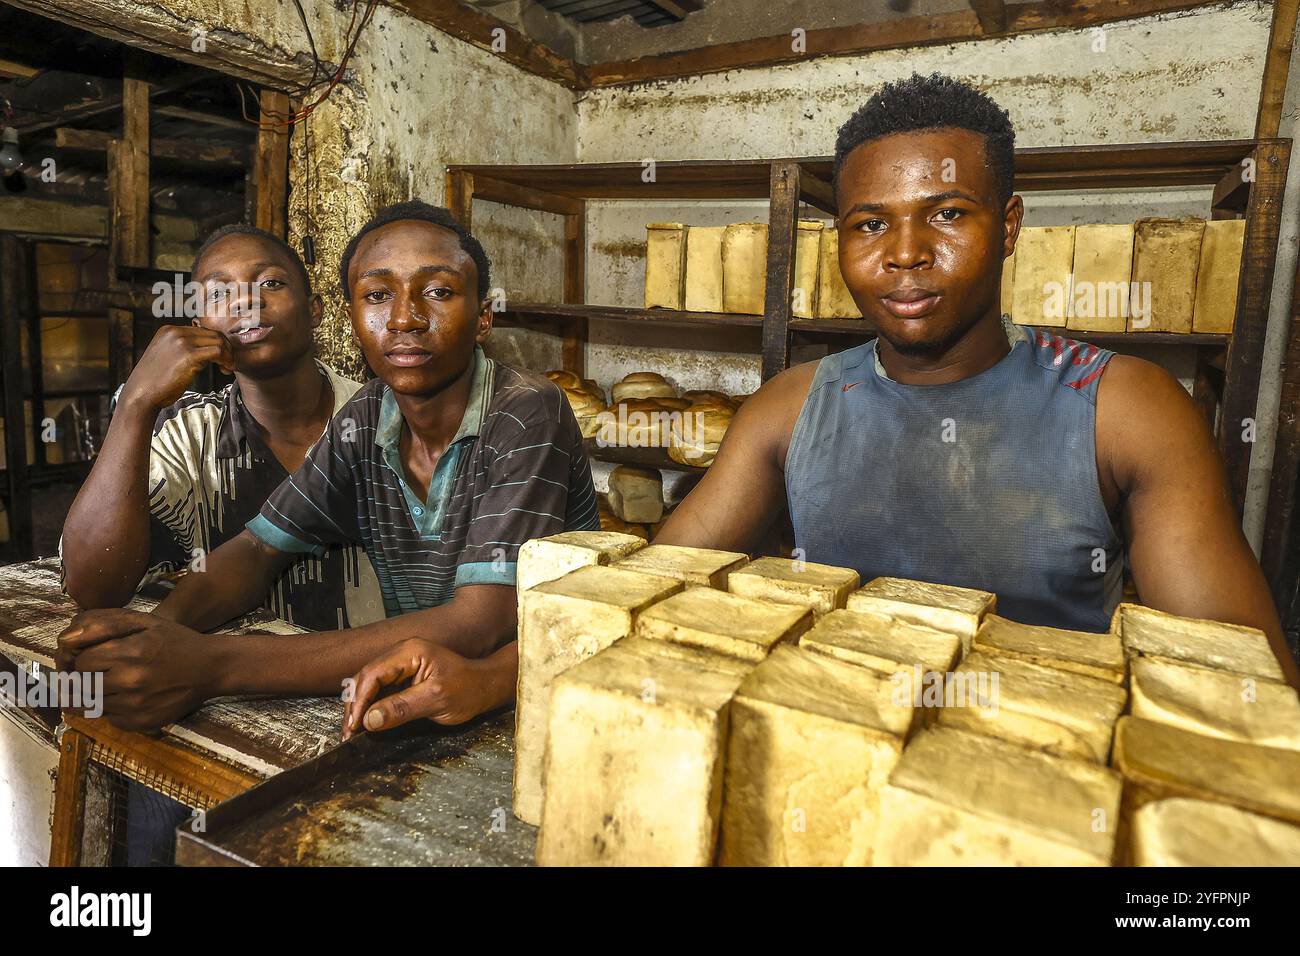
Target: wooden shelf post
[(783, 223)]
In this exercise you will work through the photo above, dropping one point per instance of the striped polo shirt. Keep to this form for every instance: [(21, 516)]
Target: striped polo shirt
[(515, 470), (209, 474)]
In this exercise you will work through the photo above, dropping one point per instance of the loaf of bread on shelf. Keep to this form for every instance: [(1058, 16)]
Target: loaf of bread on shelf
[(1044, 257), (714, 620), (744, 267), (1216, 703), (707, 396), (1217, 276), (945, 607), (665, 265), (1044, 709), (821, 587), (1159, 760), (642, 385), (696, 434), (812, 743), (833, 298), (636, 423), (697, 567), (586, 409), (1080, 652), (963, 799), (704, 268), (1103, 266), (1184, 832), (564, 378), (562, 622), (807, 248), (612, 522), (636, 494), (636, 751), (591, 386), (1166, 256), (1146, 632), (672, 404)]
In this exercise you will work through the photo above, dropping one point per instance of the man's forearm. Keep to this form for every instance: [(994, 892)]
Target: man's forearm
[(235, 580), (499, 672), (106, 534)]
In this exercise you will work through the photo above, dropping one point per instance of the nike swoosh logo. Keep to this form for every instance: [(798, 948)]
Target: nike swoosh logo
[(850, 385)]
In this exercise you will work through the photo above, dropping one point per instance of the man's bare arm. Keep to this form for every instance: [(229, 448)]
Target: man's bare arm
[(1183, 534), (743, 491)]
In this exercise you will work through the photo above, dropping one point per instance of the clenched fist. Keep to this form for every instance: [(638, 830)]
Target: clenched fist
[(168, 366)]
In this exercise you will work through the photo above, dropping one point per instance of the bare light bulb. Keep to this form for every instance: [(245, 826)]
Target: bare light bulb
[(10, 158)]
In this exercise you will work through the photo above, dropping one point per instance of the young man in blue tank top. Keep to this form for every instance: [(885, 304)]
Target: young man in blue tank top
[(959, 448)]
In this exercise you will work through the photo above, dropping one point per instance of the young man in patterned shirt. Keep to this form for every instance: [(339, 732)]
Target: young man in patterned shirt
[(441, 469)]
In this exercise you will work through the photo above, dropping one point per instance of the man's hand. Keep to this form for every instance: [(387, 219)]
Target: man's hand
[(168, 366), (442, 686), (155, 671)]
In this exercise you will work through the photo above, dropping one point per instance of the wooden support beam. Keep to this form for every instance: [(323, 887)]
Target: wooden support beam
[(677, 9), (512, 194), (783, 222), (816, 191), (1277, 65), (19, 70), (271, 165), (854, 39), (460, 196), (15, 299), (992, 15), (128, 211), (496, 36), (1232, 192), (69, 818), (211, 119), (181, 150), (575, 290), (1246, 349)]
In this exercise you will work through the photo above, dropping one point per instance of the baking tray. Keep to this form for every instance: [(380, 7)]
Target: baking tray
[(420, 795)]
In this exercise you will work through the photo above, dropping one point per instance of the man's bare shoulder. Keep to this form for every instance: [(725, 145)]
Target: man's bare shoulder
[(773, 410), (1144, 415)]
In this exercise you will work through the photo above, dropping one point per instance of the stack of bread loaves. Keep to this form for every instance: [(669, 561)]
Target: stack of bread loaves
[(680, 706), (585, 397)]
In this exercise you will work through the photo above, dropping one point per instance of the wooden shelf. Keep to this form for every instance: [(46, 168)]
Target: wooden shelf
[(641, 457), (532, 314)]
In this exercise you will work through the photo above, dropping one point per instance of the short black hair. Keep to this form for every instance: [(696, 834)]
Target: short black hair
[(934, 102), (423, 212), (243, 229)]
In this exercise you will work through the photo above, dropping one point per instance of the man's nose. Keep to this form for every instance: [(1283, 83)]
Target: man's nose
[(907, 248), (407, 315)]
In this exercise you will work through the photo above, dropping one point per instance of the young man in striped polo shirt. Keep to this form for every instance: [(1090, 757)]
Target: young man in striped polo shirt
[(441, 469)]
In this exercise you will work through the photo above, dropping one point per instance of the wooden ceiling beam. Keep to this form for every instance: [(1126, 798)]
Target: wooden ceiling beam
[(992, 15), (180, 150)]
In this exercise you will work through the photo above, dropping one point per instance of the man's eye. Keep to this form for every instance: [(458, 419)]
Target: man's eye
[(272, 284), (216, 295), (442, 292), (376, 296), (872, 225), (951, 215)]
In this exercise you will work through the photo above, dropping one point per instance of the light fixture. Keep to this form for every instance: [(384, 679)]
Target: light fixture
[(10, 158)]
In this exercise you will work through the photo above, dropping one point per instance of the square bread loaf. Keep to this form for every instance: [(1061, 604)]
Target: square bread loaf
[(1216, 703), (818, 586), (812, 743), (1160, 761), (881, 643), (635, 757), (1056, 712), (716, 621), (1145, 631), (1079, 652), (696, 567), (545, 559), (963, 799), (1183, 832), (563, 622), (956, 610)]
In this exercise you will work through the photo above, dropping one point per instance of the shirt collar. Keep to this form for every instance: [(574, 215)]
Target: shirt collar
[(1015, 333), (388, 432), (235, 427)]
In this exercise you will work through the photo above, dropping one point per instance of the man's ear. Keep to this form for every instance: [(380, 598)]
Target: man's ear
[(317, 309), (483, 327), (1012, 216)]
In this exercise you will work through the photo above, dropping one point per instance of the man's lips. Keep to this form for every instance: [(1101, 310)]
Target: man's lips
[(406, 357), (911, 303), (251, 335)]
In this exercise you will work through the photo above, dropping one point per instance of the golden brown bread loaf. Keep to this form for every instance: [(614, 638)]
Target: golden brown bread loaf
[(637, 423), (642, 385), (707, 396), (697, 434), (564, 378), (636, 494), (586, 407)]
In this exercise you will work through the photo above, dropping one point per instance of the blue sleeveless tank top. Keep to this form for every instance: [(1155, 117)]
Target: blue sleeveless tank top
[(988, 483)]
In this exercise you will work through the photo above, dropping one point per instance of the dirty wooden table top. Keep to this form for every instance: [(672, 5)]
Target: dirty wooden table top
[(428, 796)]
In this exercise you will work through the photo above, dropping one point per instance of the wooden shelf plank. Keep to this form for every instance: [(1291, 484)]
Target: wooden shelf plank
[(641, 457), (554, 313)]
